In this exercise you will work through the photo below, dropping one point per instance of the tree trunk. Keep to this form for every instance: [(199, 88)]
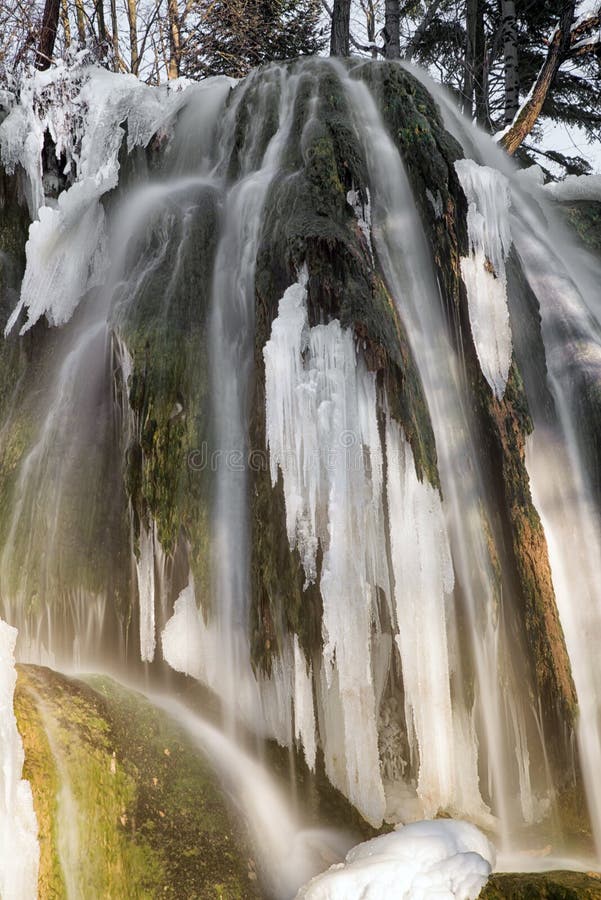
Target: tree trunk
[(81, 22), (48, 34), (526, 117), (471, 10), (115, 28), (65, 23), (392, 17), (480, 67), (341, 28), (510, 56), (101, 27), (174, 41), (132, 17)]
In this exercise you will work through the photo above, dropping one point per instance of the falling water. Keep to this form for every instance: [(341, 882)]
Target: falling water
[(411, 599)]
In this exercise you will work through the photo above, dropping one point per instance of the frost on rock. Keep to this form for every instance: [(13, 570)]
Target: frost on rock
[(362, 214), (322, 433), (19, 848), (483, 271), (87, 111), (444, 858), (435, 202)]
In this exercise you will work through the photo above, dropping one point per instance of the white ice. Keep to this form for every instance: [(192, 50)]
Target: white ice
[(423, 572), (19, 848), (87, 111), (483, 271), (443, 858), (146, 592), (322, 435)]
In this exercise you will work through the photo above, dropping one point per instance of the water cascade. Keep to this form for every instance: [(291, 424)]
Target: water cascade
[(300, 399)]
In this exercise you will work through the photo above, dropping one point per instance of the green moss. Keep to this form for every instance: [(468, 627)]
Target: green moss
[(149, 818), (164, 328), (543, 886)]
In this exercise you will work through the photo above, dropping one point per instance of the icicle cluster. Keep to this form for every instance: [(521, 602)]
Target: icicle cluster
[(323, 436), (87, 112), (483, 271)]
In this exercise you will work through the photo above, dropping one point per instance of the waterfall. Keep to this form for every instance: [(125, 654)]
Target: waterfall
[(305, 420)]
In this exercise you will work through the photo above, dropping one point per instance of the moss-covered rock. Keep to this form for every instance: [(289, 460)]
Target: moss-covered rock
[(126, 806), (543, 886)]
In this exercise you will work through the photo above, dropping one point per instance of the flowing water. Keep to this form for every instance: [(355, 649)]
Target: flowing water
[(416, 698)]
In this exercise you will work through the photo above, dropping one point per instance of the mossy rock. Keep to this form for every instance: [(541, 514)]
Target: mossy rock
[(543, 886), (149, 817)]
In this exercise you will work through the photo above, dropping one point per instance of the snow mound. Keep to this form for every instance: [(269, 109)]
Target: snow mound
[(576, 187), (19, 848), (443, 858)]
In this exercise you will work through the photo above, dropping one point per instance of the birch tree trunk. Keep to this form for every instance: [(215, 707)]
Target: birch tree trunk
[(132, 18), (65, 23), (526, 117), (471, 8), (392, 17), (510, 57), (81, 22), (341, 28), (115, 29), (174, 41)]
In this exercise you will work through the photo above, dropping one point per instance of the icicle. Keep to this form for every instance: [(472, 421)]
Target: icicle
[(322, 433), (19, 848), (423, 573), (84, 110), (146, 592), (304, 715), (483, 271)]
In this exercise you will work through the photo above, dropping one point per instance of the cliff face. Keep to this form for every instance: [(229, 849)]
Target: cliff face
[(138, 481)]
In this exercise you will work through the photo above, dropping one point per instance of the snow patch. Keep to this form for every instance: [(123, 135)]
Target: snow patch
[(576, 187), (443, 859), (483, 271), (19, 848)]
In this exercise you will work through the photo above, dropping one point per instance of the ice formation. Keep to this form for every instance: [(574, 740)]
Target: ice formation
[(423, 573), (322, 434), (443, 858), (304, 714), (146, 592), (362, 214), (182, 639), (19, 848), (87, 112), (483, 271)]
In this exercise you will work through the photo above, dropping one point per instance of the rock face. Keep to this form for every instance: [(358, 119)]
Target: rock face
[(337, 599), (125, 805), (547, 885)]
